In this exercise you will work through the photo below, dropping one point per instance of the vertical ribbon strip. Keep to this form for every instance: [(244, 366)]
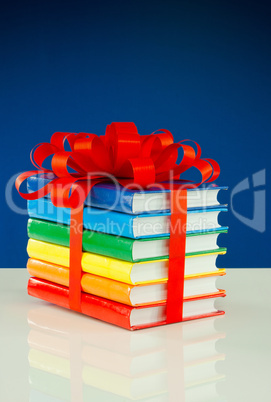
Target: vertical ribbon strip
[(176, 264), (75, 275)]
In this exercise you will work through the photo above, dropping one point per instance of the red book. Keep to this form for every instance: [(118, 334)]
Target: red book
[(120, 314)]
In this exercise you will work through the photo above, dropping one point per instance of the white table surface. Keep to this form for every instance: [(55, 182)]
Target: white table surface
[(240, 351)]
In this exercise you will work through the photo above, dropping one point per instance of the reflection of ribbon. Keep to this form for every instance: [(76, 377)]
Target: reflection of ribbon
[(134, 160), (175, 364), (76, 366)]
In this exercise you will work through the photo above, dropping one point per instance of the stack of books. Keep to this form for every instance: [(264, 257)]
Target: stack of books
[(125, 253), (94, 361)]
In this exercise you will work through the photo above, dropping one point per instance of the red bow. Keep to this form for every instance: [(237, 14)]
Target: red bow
[(131, 158)]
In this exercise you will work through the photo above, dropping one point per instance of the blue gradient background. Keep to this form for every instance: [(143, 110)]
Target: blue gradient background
[(198, 68)]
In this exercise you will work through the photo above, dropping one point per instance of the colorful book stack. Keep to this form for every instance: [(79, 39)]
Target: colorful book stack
[(73, 357), (125, 253)]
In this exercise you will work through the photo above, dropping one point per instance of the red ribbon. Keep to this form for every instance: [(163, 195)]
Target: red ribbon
[(132, 159), (176, 256)]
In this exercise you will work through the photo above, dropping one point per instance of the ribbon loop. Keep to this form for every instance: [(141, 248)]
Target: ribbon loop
[(124, 142), (123, 153)]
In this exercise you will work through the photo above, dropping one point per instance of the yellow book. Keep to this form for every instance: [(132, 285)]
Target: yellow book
[(133, 273)]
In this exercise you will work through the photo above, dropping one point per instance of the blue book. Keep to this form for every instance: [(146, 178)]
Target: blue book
[(110, 196), (126, 225)]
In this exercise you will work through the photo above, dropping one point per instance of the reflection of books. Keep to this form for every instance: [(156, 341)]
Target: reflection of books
[(131, 369), (51, 388), (133, 387), (93, 394), (129, 387), (58, 322), (100, 358), (129, 365)]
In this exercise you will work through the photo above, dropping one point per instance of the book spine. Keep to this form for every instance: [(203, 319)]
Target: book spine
[(34, 183), (99, 197), (109, 245), (50, 272), (109, 198), (92, 263), (48, 252), (44, 209), (92, 284), (48, 232), (102, 309), (107, 267), (111, 222), (106, 288), (93, 242)]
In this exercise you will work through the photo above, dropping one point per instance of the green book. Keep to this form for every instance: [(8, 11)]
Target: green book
[(123, 248)]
